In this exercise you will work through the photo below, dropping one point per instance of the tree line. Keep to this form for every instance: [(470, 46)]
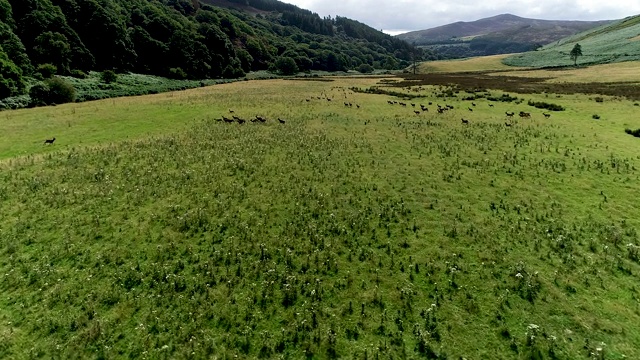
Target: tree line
[(182, 39)]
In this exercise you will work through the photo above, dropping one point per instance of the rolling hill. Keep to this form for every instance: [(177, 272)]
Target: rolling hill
[(615, 42), (499, 34)]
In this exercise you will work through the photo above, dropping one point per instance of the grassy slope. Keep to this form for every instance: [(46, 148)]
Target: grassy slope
[(605, 44), (483, 63), (627, 72), (345, 232)]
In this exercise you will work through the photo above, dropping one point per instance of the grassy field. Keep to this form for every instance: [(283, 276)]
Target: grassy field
[(152, 230), (484, 63), (618, 72)]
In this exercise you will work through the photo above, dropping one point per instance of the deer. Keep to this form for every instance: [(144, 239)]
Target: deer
[(281, 121), (546, 115), (49, 141), (465, 121)]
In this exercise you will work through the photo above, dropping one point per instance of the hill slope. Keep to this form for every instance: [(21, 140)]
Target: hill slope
[(616, 42), (182, 39), (499, 34)]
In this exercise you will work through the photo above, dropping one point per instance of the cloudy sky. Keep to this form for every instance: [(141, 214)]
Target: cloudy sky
[(395, 16)]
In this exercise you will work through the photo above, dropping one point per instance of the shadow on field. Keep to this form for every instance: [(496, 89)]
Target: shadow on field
[(524, 85)]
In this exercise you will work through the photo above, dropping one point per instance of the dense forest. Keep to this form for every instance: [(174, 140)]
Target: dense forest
[(183, 39), (480, 46)]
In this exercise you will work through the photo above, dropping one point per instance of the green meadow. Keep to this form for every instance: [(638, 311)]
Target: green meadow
[(357, 228)]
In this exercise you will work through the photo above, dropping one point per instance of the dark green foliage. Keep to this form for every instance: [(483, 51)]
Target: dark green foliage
[(14, 47), (54, 48), (108, 77), (11, 82), (365, 68), (503, 98), (203, 41), (544, 105), (60, 91), (177, 73), (286, 66), (635, 132), (6, 14), (47, 70), (78, 74), (52, 91), (575, 53)]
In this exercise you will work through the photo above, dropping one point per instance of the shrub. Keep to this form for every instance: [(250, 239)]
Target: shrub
[(231, 72), (544, 105), (15, 102), (365, 68), (39, 94), (47, 70), (108, 76), (599, 99), (79, 74), (177, 73), (635, 132), (52, 91), (285, 65), (503, 98)]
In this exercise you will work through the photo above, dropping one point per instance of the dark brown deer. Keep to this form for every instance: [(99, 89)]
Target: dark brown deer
[(465, 121), (281, 121), (49, 141), (546, 115)]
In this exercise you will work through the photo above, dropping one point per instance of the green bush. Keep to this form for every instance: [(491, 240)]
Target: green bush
[(635, 132), (503, 98), (39, 94), (108, 76), (177, 73), (544, 105), (52, 91), (47, 70), (365, 68), (79, 74), (285, 65), (231, 72)]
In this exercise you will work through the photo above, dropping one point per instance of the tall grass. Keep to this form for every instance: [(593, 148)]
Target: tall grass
[(344, 233)]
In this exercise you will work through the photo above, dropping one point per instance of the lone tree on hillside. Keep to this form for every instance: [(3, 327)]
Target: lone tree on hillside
[(575, 53)]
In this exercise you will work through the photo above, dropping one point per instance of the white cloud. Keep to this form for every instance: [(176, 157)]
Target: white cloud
[(407, 15)]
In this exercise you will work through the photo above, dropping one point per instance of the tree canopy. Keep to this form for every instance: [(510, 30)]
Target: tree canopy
[(575, 53), (187, 38)]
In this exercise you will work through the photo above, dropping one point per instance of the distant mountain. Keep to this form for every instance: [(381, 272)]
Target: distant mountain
[(615, 42), (499, 34)]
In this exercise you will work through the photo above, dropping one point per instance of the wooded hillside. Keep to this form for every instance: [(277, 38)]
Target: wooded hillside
[(182, 39)]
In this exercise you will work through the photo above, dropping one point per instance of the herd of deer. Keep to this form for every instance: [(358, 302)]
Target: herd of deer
[(442, 109)]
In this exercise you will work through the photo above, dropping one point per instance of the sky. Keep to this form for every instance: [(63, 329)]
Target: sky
[(397, 16)]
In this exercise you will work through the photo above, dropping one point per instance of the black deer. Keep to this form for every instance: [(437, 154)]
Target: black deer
[(49, 141)]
